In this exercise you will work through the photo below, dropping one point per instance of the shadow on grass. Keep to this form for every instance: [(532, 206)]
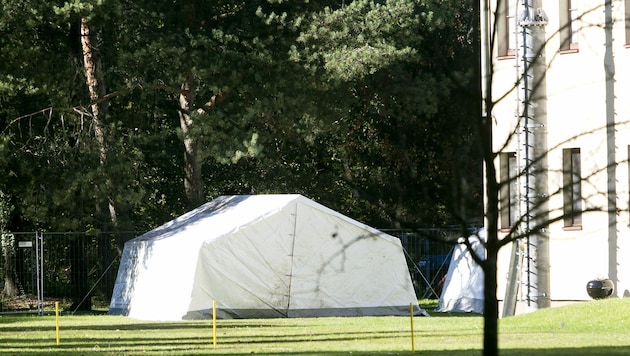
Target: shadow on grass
[(115, 339), (194, 337), (609, 350), (436, 314), (431, 306), (143, 326)]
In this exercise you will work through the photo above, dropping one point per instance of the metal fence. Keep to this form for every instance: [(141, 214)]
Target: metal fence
[(78, 270), (428, 252)]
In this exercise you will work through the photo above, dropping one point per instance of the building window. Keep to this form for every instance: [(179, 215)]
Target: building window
[(506, 28), (568, 25), (508, 193), (572, 187)]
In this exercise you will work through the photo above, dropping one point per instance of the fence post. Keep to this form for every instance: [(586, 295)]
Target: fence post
[(39, 270)]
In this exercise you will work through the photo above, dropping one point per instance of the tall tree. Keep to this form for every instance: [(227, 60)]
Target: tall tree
[(396, 66), (62, 129), (94, 81), (226, 66)]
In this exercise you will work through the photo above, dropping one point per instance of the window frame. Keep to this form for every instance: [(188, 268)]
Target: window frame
[(569, 26), (572, 188), (506, 29), (508, 193)]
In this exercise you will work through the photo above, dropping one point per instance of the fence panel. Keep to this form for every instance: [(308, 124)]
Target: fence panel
[(78, 270), (428, 252)]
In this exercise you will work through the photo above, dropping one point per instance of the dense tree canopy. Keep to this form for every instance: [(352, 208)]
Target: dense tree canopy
[(397, 66), (362, 105)]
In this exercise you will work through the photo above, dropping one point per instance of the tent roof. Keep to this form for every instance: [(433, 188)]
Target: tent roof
[(229, 213)]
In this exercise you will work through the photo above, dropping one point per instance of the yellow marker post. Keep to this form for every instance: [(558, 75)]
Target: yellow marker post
[(413, 344), (214, 324), (57, 320)]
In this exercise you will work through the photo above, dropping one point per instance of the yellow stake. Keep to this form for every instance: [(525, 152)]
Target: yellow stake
[(214, 324), (413, 344), (57, 320)]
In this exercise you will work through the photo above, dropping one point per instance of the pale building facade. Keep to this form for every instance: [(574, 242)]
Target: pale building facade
[(561, 95)]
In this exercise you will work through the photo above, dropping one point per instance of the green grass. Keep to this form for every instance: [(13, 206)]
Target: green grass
[(590, 328)]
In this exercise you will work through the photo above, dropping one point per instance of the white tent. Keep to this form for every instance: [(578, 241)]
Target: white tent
[(262, 256), (463, 286)]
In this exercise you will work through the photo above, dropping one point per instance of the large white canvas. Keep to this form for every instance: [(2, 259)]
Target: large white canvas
[(262, 256)]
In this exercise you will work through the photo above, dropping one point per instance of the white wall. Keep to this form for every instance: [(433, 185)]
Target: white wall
[(578, 109)]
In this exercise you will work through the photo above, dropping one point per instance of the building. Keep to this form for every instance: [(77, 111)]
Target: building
[(560, 84)]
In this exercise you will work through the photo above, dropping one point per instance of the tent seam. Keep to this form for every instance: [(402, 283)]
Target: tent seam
[(295, 217)]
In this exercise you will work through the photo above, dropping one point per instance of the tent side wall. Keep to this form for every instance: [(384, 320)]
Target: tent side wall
[(155, 280), (342, 267), (125, 279), (463, 286), (248, 272)]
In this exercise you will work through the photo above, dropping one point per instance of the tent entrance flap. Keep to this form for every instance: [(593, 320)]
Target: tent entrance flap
[(464, 284)]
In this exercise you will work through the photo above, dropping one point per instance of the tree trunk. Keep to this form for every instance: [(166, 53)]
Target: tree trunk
[(8, 256), (490, 306), (193, 183), (7, 248), (491, 309), (98, 106)]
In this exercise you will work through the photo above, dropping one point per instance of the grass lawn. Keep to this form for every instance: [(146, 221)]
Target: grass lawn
[(590, 328)]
